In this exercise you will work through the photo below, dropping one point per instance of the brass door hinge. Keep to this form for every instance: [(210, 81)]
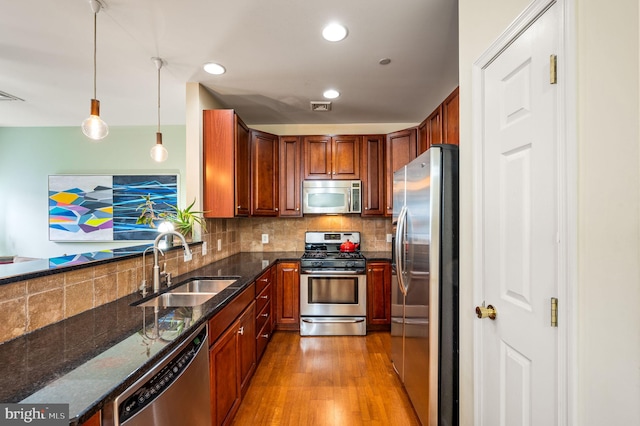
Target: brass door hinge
[(553, 69), (554, 312)]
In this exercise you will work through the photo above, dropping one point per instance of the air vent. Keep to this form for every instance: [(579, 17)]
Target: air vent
[(320, 106), (4, 96)]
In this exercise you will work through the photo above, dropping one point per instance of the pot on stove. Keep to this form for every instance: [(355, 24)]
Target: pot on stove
[(348, 246)]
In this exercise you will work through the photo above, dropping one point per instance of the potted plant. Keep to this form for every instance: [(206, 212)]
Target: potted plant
[(183, 220)]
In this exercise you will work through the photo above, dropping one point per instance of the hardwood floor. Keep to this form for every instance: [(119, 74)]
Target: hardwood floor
[(330, 380)]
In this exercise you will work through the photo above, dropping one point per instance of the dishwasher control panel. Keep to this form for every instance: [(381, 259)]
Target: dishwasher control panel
[(148, 390)]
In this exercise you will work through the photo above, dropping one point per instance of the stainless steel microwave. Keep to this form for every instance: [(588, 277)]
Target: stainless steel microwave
[(331, 196)]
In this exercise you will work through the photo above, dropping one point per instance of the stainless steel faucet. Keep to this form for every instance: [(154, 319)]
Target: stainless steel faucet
[(156, 267)]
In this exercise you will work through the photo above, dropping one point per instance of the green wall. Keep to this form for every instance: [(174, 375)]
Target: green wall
[(29, 155)]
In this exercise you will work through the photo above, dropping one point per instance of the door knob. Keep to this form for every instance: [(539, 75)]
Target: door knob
[(486, 312)]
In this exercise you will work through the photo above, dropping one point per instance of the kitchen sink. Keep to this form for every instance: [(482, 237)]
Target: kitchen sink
[(192, 293), (204, 285), (178, 299)]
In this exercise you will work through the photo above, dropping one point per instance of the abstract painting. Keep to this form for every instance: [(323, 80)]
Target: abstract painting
[(105, 207)]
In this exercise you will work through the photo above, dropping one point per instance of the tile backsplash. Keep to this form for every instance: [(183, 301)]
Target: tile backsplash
[(287, 234)]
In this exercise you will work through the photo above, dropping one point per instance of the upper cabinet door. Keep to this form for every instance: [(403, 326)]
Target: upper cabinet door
[(401, 148), (290, 176), (243, 169), (345, 157), (317, 157), (372, 173), (328, 157), (264, 174), (225, 164), (451, 118)]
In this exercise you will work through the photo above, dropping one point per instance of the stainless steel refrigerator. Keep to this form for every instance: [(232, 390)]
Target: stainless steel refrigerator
[(424, 299)]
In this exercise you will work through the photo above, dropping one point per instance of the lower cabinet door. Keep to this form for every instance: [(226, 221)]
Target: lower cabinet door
[(224, 371), (247, 346)]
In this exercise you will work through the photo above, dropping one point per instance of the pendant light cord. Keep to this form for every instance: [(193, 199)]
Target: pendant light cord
[(95, 31), (159, 66)]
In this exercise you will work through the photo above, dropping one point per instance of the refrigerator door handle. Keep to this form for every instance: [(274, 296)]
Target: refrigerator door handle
[(400, 233)]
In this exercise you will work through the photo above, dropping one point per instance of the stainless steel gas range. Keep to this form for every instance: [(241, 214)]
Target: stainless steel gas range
[(333, 287)]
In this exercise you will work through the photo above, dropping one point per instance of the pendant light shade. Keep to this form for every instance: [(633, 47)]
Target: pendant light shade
[(94, 127), (159, 153)]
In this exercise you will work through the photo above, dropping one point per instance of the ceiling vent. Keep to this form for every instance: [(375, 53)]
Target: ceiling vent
[(4, 96), (320, 106)]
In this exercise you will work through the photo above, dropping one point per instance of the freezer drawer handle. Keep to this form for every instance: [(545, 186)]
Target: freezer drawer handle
[(311, 321)]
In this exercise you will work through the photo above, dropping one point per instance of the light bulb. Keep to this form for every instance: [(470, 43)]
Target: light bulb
[(94, 127), (159, 153)]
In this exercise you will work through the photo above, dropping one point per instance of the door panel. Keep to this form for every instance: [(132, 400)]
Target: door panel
[(519, 260)]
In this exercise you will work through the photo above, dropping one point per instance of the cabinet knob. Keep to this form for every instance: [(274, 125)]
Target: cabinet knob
[(241, 331), (297, 208), (366, 208), (369, 270), (265, 315), (276, 209), (264, 297), (265, 336)]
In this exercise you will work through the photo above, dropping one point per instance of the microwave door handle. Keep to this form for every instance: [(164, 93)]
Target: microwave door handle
[(349, 200)]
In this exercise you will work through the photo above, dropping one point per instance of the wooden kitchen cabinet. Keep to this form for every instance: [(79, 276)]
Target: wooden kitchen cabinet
[(95, 420), (264, 174), (442, 125), (400, 149), (332, 157), (264, 310), (378, 295), (290, 176), (451, 118), (226, 158), (430, 130), (372, 172), (232, 356), (288, 296)]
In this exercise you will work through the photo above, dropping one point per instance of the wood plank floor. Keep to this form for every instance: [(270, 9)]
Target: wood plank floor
[(330, 380)]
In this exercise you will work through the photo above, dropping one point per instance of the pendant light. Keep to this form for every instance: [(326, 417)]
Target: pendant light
[(159, 153), (93, 127)]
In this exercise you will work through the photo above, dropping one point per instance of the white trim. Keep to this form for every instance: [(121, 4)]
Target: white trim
[(567, 203)]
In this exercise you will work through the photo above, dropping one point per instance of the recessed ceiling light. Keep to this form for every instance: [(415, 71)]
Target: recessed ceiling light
[(331, 94), (334, 32), (213, 68)]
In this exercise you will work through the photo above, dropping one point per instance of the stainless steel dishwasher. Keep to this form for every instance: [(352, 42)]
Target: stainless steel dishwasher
[(175, 391)]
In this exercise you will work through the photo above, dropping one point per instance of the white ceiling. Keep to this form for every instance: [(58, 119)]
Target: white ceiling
[(276, 59)]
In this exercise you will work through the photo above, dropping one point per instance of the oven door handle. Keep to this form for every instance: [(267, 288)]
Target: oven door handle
[(330, 272), (330, 320)]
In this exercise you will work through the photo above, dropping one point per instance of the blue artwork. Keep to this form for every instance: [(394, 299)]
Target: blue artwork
[(105, 207)]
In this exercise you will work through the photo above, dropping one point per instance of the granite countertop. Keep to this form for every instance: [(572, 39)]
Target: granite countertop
[(89, 359)]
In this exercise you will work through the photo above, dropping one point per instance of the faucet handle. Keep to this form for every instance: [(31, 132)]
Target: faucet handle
[(168, 279)]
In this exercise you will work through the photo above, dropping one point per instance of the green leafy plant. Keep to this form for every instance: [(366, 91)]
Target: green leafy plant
[(183, 220)]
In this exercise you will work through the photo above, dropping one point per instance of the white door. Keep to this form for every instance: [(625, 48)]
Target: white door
[(518, 248)]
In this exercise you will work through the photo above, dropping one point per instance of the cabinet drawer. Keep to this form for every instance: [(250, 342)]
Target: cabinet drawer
[(263, 316), (263, 298), (263, 338), (263, 281)]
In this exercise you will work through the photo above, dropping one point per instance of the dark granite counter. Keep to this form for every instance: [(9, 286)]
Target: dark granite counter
[(377, 255), (87, 360)]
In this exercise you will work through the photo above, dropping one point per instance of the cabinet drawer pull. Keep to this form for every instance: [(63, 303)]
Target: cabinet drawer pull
[(265, 336)]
